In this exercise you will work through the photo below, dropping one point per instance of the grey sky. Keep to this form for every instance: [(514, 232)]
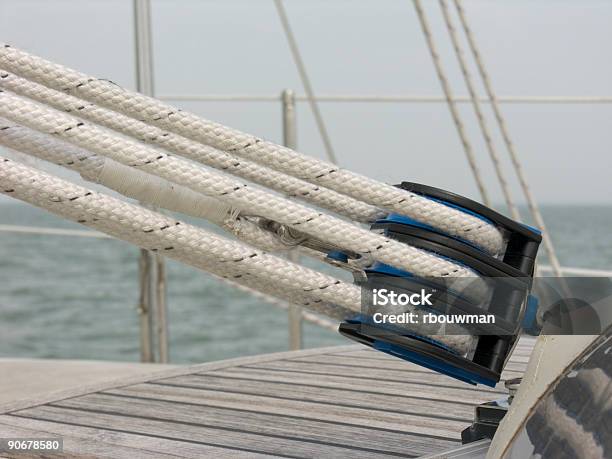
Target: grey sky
[(367, 47)]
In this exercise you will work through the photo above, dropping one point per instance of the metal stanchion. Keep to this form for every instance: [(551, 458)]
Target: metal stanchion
[(153, 307), (290, 140), (144, 310)]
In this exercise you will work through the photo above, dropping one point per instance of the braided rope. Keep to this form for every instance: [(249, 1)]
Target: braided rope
[(185, 243), (307, 316), (280, 158), (291, 186), (136, 184), (309, 221), (180, 241), (19, 138)]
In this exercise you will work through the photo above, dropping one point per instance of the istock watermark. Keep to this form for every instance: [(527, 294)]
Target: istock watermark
[(384, 297)]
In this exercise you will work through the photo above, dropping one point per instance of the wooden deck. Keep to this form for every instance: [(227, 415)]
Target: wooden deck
[(335, 402)]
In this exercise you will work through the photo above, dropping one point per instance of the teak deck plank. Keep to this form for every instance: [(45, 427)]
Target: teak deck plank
[(366, 374), (230, 439), (388, 362), (91, 442), (343, 397), (405, 422), (272, 426), (344, 401), (457, 394)]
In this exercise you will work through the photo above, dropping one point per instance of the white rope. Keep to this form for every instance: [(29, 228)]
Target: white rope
[(19, 138), (291, 186), (452, 106), (108, 94), (152, 231), (307, 316), (299, 63), (518, 168), (478, 111), (304, 219), (129, 182), (178, 240), (136, 184)]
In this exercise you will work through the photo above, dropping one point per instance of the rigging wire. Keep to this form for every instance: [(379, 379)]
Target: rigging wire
[(299, 63), (518, 168), (452, 106), (478, 111)]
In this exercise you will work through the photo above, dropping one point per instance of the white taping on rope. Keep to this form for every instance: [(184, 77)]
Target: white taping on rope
[(277, 157), (317, 224), (127, 181), (152, 189), (136, 184)]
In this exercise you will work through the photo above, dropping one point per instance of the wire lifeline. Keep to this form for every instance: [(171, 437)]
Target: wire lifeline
[(275, 156), (294, 187), (309, 221)]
